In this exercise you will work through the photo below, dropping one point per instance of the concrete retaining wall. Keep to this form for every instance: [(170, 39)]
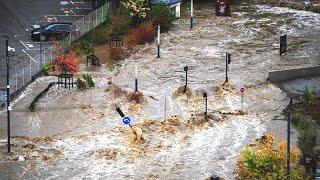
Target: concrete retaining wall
[(290, 74)]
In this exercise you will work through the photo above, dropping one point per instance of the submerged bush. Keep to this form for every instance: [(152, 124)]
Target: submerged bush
[(116, 53), (88, 79), (81, 85), (145, 33)]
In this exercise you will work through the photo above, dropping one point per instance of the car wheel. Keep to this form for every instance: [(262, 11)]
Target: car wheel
[(42, 38)]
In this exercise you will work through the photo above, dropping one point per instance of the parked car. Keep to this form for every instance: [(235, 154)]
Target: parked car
[(56, 31)]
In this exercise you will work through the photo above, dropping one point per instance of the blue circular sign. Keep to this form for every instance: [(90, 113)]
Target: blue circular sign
[(126, 120)]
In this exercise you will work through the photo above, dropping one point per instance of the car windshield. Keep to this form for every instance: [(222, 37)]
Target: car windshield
[(51, 27)]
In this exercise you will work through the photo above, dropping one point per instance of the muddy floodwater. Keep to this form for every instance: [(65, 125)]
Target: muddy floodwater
[(78, 134)]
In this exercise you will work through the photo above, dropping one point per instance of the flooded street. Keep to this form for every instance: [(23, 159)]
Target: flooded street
[(78, 134)]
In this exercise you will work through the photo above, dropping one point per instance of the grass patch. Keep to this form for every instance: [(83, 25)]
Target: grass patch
[(32, 107)]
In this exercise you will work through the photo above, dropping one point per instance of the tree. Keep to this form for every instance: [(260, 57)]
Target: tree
[(267, 160), (64, 62)]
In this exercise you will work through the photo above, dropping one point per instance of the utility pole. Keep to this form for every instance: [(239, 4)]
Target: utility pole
[(8, 93), (288, 139)]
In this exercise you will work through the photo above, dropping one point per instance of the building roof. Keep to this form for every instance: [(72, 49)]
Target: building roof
[(166, 2)]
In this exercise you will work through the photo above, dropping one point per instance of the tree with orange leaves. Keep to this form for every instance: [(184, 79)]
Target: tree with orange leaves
[(267, 160), (64, 62)]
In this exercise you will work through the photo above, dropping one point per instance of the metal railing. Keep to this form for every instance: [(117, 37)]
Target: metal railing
[(85, 24)]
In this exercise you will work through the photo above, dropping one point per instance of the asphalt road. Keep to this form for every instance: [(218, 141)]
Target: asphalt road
[(16, 18)]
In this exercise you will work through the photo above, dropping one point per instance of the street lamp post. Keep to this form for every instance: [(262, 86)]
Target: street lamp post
[(8, 93)]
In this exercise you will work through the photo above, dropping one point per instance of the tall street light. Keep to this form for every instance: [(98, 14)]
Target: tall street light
[(8, 92)]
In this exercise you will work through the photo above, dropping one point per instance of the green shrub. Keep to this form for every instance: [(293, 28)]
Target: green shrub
[(88, 79), (308, 137), (162, 15), (119, 24), (32, 106), (306, 96), (308, 133), (45, 69), (81, 85), (86, 47), (100, 35)]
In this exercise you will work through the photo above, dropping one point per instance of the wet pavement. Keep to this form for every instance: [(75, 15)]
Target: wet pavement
[(85, 135)]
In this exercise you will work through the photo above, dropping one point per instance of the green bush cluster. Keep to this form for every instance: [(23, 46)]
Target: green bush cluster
[(86, 47), (162, 15), (307, 131), (45, 69), (308, 97), (81, 85), (88, 79)]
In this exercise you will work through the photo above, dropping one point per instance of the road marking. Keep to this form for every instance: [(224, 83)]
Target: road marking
[(24, 44), (29, 56)]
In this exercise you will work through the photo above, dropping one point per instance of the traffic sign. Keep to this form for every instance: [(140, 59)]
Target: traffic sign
[(242, 90), (126, 120)]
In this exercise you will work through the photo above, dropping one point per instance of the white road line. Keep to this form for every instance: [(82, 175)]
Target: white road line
[(24, 44), (29, 56), (15, 36)]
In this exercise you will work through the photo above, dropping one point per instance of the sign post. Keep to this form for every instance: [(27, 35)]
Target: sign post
[(136, 78), (191, 14), (223, 8), (205, 95), (242, 92), (283, 44), (125, 119), (228, 61), (186, 84)]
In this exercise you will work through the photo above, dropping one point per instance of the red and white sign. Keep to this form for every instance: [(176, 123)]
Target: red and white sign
[(242, 90)]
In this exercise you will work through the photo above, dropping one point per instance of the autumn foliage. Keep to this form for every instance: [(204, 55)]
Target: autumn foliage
[(64, 62), (145, 33), (267, 160)]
